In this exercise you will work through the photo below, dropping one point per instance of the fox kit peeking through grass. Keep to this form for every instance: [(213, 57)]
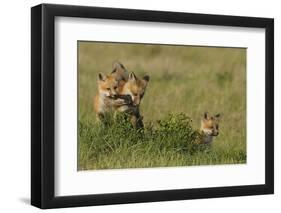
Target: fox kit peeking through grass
[(209, 127), (122, 92), (120, 73)]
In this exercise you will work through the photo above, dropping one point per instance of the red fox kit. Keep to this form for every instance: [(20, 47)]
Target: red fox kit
[(119, 72), (209, 127), (106, 99), (135, 89)]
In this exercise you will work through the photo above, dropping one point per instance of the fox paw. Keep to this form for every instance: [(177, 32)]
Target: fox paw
[(120, 102)]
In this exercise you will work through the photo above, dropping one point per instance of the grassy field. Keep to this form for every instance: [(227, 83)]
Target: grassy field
[(185, 82)]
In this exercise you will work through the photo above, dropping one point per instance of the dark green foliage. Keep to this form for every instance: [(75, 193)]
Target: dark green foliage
[(116, 144)]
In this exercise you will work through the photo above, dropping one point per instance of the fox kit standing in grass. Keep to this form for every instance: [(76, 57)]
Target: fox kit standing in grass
[(105, 100), (209, 127), (131, 89), (108, 88), (135, 89)]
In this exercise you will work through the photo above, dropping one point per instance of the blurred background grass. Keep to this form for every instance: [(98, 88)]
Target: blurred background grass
[(186, 79)]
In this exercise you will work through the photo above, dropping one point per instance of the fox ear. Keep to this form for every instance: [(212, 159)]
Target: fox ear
[(146, 78), (117, 66), (101, 77), (206, 115), (132, 77)]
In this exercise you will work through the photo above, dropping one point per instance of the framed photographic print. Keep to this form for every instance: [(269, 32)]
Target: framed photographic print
[(139, 106)]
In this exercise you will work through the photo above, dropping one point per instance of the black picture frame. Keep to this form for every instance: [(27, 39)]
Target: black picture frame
[(43, 105)]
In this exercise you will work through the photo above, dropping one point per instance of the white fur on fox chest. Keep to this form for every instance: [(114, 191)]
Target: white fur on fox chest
[(104, 105), (208, 138)]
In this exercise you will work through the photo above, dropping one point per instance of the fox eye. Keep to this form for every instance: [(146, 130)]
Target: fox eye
[(115, 87), (135, 94), (108, 89)]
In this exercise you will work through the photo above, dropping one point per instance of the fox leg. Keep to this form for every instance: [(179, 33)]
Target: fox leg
[(119, 102), (136, 122), (111, 103), (136, 119), (99, 117)]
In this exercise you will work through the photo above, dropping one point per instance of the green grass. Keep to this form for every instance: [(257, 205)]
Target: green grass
[(184, 81)]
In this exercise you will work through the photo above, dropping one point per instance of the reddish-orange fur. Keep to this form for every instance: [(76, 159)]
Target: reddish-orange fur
[(135, 87), (209, 127)]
